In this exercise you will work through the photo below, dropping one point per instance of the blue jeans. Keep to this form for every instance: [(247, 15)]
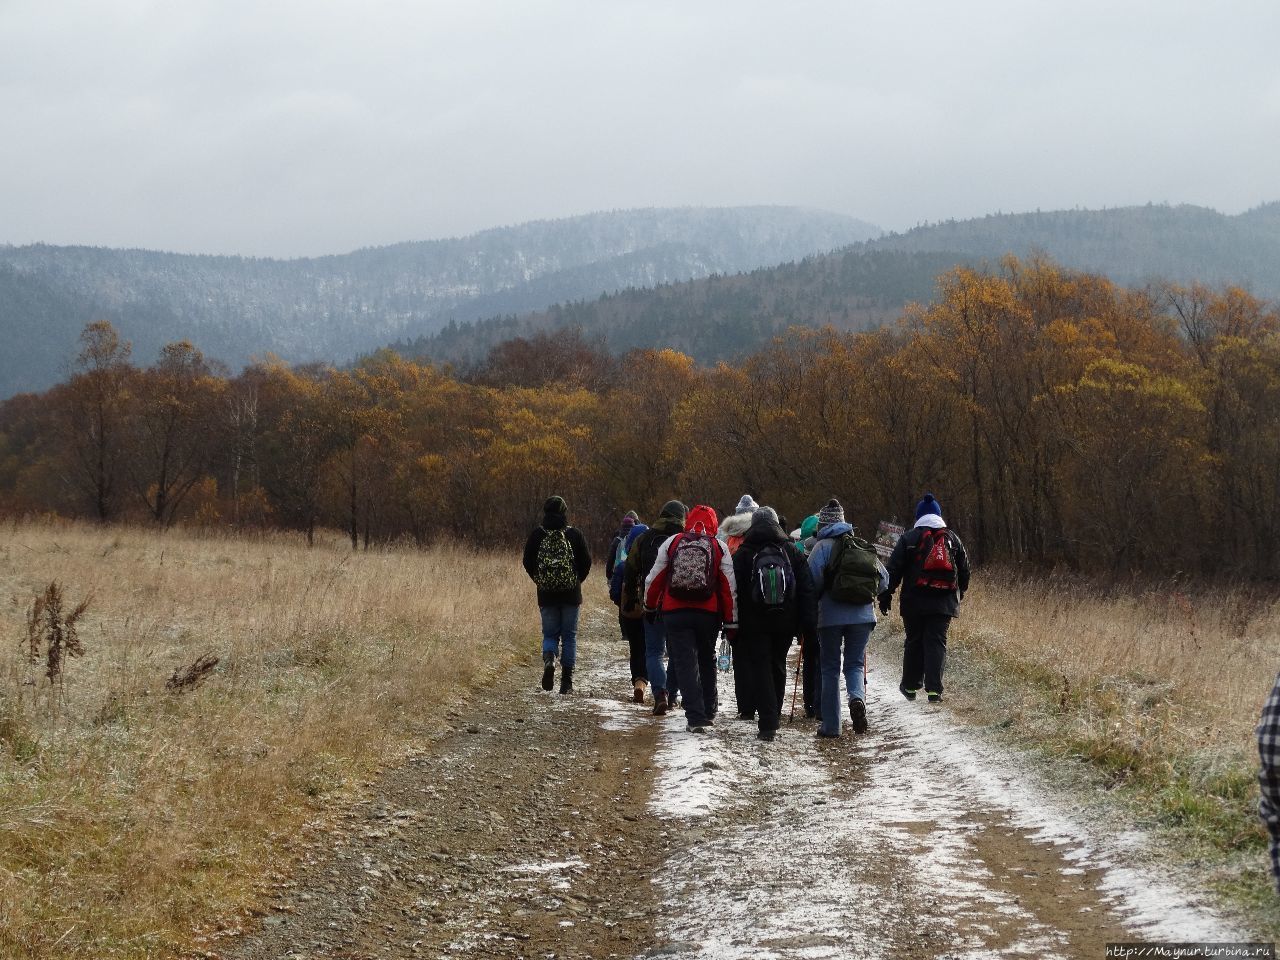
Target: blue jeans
[(851, 641), (560, 633), (655, 647)]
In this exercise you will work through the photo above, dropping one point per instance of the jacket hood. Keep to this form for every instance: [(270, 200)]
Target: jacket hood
[(702, 514), (809, 527), (833, 530), (736, 525), (765, 530), (638, 529), (668, 525), (932, 521), (554, 521)]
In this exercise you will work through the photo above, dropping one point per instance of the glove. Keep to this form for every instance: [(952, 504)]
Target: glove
[(886, 599)]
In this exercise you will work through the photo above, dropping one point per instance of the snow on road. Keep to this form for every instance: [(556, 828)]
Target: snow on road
[(924, 837)]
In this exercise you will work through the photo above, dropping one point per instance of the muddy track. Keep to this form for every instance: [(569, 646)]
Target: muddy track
[(581, 826)]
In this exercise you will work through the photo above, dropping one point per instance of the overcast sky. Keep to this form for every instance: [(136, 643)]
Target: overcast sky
[(293, 128)]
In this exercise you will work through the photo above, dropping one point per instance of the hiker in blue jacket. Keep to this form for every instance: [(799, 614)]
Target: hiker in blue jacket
[(843, 628)]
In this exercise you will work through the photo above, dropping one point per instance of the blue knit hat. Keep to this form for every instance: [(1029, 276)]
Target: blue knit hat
[(928, 505)]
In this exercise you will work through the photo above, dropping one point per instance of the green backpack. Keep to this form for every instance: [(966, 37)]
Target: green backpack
[(853, 575), (555, 570)]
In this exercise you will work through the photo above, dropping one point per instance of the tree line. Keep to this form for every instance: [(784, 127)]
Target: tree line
[(1060, 419)]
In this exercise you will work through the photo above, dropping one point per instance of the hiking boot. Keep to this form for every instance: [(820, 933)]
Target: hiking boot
[(548, 672), (935, 697), (825, 735), (909, 694), (659, 702), (743, 715), (637, 694), (858, 714), (566, 679), (703, 727), (768, 736)]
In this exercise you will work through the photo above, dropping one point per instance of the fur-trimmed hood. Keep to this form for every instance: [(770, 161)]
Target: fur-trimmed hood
[(735, 525)]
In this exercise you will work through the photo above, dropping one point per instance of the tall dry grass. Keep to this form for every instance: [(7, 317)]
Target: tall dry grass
[(1158, 687), (131, 812)]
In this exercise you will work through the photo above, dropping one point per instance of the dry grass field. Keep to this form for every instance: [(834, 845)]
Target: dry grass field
[(1160, 689), (137, 810)]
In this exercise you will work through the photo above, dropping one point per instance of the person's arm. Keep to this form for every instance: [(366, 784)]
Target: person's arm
[(581, 555), (899, 560), (1269, 775), (818, 566), (962, 565), (728, 587), (655, 585), (531, 553)]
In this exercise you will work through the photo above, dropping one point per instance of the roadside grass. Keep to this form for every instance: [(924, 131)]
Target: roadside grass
[(133, 815), (1156, 691)]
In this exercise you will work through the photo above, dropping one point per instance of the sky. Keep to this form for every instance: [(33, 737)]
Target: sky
[(299, 128)]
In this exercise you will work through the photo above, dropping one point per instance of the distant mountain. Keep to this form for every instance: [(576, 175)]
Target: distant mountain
[(867, 283), (1132, 245), (333, 308)]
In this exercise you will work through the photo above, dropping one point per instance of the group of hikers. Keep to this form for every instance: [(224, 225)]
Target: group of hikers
[(687, 580)]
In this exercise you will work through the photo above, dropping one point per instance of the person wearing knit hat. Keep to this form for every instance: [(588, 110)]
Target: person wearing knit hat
[(848, 577), (641, 556), (746, 505), (557, 560), (928, 506), (831, 513), (930, 563)]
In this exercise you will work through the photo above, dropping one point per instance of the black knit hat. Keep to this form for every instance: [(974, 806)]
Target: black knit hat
[(674, 509), (555, 505)]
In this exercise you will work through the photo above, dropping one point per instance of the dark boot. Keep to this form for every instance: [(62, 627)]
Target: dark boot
[(566, 679), (548, 671)]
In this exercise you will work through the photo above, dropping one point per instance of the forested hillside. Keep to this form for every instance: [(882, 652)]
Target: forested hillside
[(1059, 417), (724, 317), (333, 308)]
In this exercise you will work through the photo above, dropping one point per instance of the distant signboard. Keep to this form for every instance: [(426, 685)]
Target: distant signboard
[(887, 535)]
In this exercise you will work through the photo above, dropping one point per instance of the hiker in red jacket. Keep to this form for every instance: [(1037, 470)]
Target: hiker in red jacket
[(692, 584)]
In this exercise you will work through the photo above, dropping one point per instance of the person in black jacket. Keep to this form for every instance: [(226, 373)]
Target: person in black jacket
[(558, 561), (764, 634), (640, 560), (930, 597)]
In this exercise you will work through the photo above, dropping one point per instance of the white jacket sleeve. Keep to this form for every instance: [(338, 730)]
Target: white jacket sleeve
[(660, 564), (726, 568)]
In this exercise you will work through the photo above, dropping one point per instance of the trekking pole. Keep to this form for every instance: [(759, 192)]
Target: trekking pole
[(796, 687)]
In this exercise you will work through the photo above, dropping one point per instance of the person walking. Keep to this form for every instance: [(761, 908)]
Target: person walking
[(931, 564), (776, 603), (1269, 775), (812, 679), (692, 584), (640, 560), (617, 553), (557, 560), (631, 618), (848, 577), (731, 533)]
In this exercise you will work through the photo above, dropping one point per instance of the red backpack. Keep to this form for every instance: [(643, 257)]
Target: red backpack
[(935, 562)]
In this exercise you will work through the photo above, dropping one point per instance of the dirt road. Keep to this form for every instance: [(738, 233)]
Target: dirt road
[(581, 826)]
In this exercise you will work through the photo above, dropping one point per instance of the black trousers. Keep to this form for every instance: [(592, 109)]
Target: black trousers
[(742, 689), (924, 654), (764, 663), (633, 633), (691, 641)]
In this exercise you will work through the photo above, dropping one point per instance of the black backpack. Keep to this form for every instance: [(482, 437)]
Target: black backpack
[(773, 580)]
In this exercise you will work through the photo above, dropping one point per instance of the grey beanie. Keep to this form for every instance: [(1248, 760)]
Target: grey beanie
[(746, 505), (769, 512)]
